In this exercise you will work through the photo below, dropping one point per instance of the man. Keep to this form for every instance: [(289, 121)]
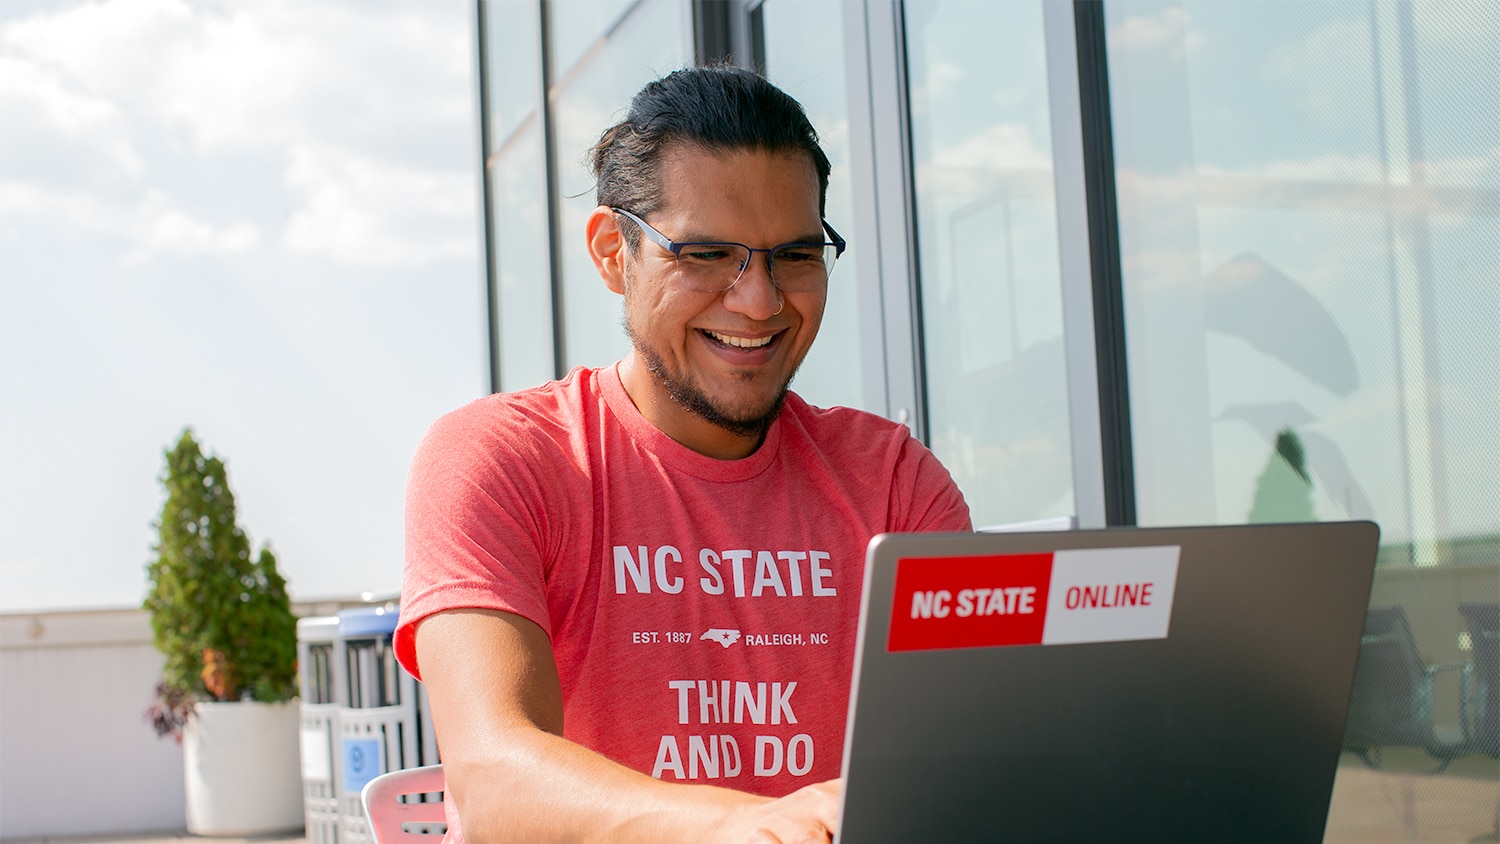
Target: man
[(633, 594)]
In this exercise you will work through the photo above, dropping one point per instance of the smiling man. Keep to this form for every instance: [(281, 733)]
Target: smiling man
[(632, 594)]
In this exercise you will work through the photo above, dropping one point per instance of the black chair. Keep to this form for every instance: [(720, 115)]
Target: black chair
[(1482, 701), (1392, 702)]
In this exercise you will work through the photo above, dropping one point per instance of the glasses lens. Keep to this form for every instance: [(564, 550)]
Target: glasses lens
[(803, 266), (711, 266)]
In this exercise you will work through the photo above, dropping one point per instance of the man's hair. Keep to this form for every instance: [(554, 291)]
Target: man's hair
[(719, 109)]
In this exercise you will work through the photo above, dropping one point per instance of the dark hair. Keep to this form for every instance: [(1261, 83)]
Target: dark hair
[(720, 109)]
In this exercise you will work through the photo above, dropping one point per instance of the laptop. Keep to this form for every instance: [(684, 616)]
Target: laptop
[(1129, 684)]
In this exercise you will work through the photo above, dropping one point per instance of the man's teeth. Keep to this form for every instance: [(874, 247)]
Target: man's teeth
[(739, 342)]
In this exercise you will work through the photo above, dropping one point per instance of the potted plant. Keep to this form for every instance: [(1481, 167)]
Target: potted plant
[(223, 622)]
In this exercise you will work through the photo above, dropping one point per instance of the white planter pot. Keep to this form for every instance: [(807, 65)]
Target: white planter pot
[(243, 769)]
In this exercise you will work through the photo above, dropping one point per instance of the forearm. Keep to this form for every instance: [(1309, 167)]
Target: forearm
[(528, 785), (497, 708)]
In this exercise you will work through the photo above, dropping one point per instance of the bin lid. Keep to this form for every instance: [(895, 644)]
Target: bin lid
[(320, 628), (367, 621)]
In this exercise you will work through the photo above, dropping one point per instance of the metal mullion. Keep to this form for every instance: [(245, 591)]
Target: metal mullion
[(890, 320), (1074, 265), (491, 271), (1104, 253), (910, 282), (755, 36), (713, 32), (554, 188)]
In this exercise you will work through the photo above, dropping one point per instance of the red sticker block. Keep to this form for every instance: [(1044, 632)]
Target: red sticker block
[(969, 602)]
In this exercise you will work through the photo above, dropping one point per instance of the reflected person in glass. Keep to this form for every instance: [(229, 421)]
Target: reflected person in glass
[(632, 594)]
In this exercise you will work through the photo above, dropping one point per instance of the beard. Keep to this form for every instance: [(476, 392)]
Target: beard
[(690, 397)]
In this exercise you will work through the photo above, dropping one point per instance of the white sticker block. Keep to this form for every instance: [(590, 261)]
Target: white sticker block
[(1111, 594), (317, 754)]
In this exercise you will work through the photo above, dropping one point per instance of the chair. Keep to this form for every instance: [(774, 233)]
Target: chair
[(412, 796), (1482, 705), (1392, 700)]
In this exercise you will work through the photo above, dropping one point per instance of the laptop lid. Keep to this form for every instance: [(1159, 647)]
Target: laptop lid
[(1132, 684)]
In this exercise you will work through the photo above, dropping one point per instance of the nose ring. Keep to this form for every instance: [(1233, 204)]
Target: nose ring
[(780, 305)]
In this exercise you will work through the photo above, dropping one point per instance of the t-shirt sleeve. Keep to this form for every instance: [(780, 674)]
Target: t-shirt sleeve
[(475, 529), (924, 497)]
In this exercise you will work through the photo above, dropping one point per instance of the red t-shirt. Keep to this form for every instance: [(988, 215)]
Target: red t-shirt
[(702, 612)]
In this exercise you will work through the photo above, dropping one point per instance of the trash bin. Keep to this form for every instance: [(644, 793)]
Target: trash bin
[(383, 723), (318, 676)]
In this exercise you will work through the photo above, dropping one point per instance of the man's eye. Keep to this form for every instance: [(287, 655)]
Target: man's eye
[(707, 254), (798, 255)]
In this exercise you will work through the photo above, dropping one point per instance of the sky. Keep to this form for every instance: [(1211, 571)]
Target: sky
[(255, 219)]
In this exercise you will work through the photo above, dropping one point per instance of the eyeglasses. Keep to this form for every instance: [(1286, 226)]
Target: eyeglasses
[(712, 267)]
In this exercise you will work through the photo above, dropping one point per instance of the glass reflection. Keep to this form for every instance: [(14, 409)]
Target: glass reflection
[(645, 45), (516, 171), (988, 253), (804, 56), (578, 25), (1308, 200), (518, 213), (513, 65)]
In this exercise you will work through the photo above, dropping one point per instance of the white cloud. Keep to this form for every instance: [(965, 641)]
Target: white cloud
[(364, 211), (154, 226), (77, 210), (350, 100), (53, 131), (246, 74), (157, 228), (34, 95), (1360, 169), (999, 154), (1481, 170), (113, 49), (1165, 29), (943, 77), (219, 74), (999, 146)]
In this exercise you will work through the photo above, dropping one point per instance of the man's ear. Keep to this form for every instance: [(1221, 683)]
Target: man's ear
[(607, 247)]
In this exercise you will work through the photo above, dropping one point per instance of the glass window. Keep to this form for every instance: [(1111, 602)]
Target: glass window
[(518, 214), (804, 56), (517, 174), (988, 255), (513, 62), (580, 25), (586, 99), (1307, 197)]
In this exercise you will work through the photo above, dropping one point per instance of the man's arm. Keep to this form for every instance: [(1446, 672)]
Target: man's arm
[(497, 708)]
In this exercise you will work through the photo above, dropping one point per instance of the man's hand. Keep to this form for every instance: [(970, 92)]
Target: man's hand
[(806, 816)]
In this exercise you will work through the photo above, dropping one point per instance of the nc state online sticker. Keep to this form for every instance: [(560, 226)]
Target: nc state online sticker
[(1066, 597)]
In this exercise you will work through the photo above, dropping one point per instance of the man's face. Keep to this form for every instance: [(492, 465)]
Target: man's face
[(721, 362)]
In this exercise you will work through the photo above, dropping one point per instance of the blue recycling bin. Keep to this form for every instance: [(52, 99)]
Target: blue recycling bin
[(383, 720), (319, 677)]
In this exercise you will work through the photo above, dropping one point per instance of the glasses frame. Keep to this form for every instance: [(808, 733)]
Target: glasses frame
[(656, 237)]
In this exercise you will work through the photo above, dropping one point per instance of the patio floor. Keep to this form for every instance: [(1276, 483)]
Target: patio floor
[(1400, 802)]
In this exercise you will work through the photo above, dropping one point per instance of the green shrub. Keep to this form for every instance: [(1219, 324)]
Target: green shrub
[(221, 618)]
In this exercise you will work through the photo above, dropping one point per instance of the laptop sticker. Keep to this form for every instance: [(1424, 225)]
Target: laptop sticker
[(1064, 597)]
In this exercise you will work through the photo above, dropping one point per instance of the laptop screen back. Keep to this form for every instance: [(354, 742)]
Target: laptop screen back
[(1010, 687)]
